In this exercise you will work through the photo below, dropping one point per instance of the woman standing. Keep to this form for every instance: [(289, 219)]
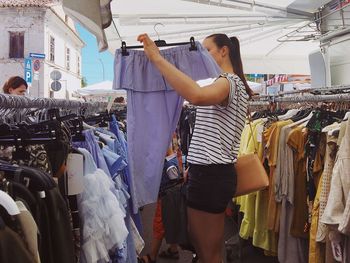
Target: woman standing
[(220, 119)]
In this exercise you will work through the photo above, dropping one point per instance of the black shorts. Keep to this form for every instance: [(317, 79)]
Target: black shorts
[(211, 187)]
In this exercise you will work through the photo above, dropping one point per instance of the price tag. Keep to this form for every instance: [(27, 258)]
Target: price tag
[(75, 173)]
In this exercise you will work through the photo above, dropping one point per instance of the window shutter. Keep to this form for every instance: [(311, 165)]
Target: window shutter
[(16, 45)]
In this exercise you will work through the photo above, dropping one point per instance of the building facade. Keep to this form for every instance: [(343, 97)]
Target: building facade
[(41, 28)]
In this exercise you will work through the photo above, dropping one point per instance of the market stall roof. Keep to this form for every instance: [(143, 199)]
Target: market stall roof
[(104, 88), (258, 25), (94, 15)]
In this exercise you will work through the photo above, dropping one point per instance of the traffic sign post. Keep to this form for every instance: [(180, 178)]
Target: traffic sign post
[(36, 75), (37, 55), (56, 85), (36, 65), (28, 71), (55, 75)]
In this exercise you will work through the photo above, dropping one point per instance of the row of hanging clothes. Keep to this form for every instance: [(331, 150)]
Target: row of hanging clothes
[(186, 126), (304, 145), (64, 183)]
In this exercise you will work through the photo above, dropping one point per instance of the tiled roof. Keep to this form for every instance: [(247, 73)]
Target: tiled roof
[(27, 3)]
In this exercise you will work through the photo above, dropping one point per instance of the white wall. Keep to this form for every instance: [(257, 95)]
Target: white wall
[(29, 20), (338, 47), (38, 24), (340, 62), (340, 74), (275, 65), (64, 38)]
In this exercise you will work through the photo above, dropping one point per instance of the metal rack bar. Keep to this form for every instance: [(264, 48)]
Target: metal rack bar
[(315, 98), (259, 103), (310, 90), (250, 5), (307, 98), (317, 34), (21, 102)]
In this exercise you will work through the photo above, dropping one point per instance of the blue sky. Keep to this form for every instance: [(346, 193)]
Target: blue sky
[(92, 59)]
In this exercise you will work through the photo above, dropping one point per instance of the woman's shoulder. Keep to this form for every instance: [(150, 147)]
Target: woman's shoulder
[(232, 77)]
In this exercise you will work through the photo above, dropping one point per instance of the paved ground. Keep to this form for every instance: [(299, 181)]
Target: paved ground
[(249, 253)]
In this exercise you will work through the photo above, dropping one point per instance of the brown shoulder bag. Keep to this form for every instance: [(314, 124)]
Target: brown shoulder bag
[(251, 174)]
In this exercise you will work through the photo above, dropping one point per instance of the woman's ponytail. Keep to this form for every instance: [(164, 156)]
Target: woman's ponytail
[(236, 60)]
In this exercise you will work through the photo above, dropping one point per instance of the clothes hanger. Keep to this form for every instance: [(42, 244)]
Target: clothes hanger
[(347, 115), (34, 179), (304, 113), (159, 43), (9, 204), (22, 135), (299, 115), (335, 129), (74, 122), (18, 190), (101, 119), (303, 122), (290, 113), (76, 129)]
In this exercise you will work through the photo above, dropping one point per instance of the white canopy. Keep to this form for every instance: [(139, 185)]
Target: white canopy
[(100, 89), (94, 15), (258, 25)]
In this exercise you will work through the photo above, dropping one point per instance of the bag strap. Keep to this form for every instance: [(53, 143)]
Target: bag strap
[(230, 78), (251, 131)]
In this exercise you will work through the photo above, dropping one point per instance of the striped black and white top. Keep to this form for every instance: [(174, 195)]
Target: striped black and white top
[(217, 131)]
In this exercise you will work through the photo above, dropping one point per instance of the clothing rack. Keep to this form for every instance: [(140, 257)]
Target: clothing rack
[(322, 90), (307, 98), (159, 43), (13, 102)]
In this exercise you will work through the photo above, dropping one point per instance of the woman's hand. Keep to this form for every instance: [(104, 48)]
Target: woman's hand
[(151, 50)]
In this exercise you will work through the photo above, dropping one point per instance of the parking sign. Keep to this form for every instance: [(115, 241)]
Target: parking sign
[(28, 70)]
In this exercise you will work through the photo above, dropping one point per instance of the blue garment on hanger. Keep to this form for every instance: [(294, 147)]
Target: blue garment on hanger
[(91, 144), (114, 128), (123, 151), (114, 162), (153, 111), (108, 138)]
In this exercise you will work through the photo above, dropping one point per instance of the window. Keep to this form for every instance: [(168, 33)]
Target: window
[(16, 45), (52, 49), (67, 58), (78, 64)]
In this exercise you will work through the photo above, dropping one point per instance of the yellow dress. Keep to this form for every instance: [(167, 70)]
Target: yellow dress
[(254, 205), (271, 136), (247, 202), (296, 140), (316, 249)]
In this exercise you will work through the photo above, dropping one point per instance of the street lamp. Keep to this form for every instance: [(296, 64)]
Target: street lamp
[(103, 68)]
